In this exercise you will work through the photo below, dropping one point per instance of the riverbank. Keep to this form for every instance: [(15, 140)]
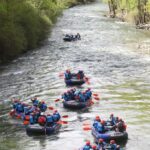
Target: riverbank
[(24, 25), (135, 12)]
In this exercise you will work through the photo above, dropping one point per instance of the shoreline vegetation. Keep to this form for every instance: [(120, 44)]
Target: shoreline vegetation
[(134, 11), (24, 24)]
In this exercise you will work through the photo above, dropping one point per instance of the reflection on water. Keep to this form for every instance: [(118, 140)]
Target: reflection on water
[(108, 53)]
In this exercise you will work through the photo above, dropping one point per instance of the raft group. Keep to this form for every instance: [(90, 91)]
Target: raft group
[(38, 120)]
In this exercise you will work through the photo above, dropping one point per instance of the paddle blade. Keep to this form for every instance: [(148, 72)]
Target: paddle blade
[(95, 94), (51, 108), (57, 100), (87, 128), (97, 98), (62, 122), (65, 116)]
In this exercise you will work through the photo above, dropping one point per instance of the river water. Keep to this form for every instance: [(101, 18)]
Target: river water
[(113, 54)]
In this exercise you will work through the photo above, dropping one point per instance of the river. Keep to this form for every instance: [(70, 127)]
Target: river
[(113, 54)]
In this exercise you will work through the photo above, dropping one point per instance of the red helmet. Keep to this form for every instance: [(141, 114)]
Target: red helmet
[(43, 102), (94, 147), (112, 142), (88, 143), (102, 122), (101, 140), (55, 111)]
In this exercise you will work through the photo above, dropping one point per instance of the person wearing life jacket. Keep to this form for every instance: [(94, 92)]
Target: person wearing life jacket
[(56, 116), (113, 145), (49, 120), (94, 147), (88, 93), (68, 75), (15, 103), (31, 118), (42, 120), (19, 108), (112, 119), (81, 97), (35, 101), (101, 144), (43, 106), (87, 146), (80, 74), (101, 127), (120, 126), (65, 96), (96, 122)]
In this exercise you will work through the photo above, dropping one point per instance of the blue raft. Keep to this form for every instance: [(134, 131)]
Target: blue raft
[(72, 104), (36, 129), (110, 135), (74, 81)]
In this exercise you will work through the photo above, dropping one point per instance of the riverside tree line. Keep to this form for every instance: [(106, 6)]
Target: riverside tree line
[(25, 23), (138, 9)]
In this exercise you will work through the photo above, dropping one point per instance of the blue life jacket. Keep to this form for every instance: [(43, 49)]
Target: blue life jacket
[(100, 128), (65, 97), (43, 107), (31, 119), (49, 119), (101, 146), (56, 117), (113, 147), (35, 102), (15, 105), (82, 98), (19, 108), (112, 120), (95, 124), (87, 147)]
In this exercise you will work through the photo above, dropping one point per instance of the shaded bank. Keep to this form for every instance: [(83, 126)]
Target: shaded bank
[(25, 23)]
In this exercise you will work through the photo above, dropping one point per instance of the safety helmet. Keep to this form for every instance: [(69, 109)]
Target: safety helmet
[(94, 147), (88, 143), (101, 140), (112, 142)]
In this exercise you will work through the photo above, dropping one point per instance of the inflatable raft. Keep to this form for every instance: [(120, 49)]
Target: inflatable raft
[(72, 104), (74, 81), (109, 135), (36, 129)]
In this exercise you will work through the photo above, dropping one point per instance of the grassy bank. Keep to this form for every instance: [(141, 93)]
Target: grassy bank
[(25, 23)]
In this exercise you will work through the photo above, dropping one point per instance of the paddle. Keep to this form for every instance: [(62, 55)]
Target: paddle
[(62, 122), (97, 98), (65, 116), (51, 108), (95, 94), (57, 100), (87, 128)]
